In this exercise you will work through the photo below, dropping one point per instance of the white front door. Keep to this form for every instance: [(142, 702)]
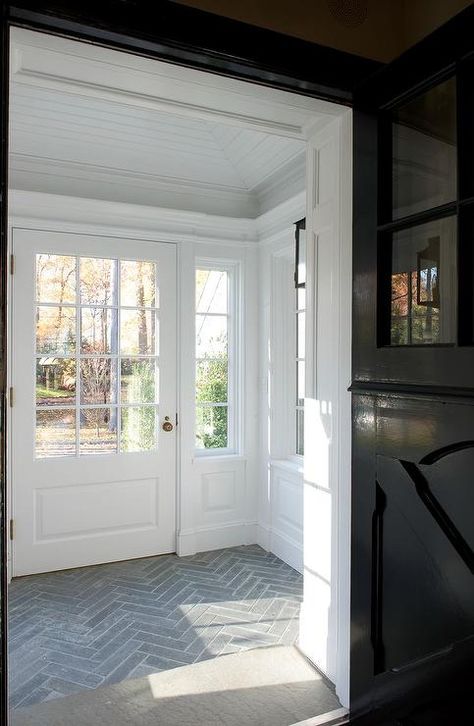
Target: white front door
[(94, 380)]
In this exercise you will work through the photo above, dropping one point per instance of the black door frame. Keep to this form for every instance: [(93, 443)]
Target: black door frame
[(168, 32), (434, 383)]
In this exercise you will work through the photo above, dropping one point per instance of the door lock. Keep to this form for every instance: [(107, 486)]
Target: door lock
[(167, 425)]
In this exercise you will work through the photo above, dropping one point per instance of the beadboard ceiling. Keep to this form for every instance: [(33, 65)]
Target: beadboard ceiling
[(95, 123)]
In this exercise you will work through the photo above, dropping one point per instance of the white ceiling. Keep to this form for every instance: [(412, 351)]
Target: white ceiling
[(63, 143), (90, 122)]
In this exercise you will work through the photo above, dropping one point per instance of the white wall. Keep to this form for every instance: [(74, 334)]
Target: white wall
[(280, 495), (217, 495)]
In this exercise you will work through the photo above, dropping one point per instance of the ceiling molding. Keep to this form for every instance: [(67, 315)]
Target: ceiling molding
[(86, 70), (58, 212), (277, 221), (62, 213), (54, 176), (284, 184)]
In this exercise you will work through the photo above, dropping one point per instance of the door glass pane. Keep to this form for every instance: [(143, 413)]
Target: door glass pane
[(55, 433), (423, 284), (98, 380), (424, 151), (98, 431), (98, 281), (138, 381), (211, 427), (55, 279), (55, 381), (138, 332), (98, 330), (137, 283), (55, 330), (211, 291), (138, 428), (78, 330)]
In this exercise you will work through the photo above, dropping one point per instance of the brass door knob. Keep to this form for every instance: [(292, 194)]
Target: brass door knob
[(167, 425)]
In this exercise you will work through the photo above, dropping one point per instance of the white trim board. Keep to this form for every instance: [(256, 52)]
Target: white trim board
[(54, 69), (64, 213), (91, 71)]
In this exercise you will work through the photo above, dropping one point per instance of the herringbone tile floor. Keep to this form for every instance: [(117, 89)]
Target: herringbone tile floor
[(80, 629)]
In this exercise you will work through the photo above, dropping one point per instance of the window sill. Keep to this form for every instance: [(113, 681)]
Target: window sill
[(224, 456), (293, 465)]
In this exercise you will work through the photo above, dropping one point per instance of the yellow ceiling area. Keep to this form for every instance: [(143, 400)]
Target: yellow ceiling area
[(377, 29)]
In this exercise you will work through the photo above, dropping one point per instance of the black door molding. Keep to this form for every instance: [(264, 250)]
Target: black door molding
[(190, 37)]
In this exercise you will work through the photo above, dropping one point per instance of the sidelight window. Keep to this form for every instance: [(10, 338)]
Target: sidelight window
[(215, 358)]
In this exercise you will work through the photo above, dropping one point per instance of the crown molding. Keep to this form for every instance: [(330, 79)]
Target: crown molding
[(79, 69), (65, 213), (283, 185), (78, 179), (277, 221), (60, 212)]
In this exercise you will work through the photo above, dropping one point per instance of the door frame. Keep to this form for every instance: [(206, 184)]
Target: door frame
[(225, 47)]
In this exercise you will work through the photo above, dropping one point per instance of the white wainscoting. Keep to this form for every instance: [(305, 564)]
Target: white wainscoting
[(221, 493), (285, 534)]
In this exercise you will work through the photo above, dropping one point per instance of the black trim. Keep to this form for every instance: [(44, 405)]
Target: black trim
[(384, 388), (377, 579), (186, 36), (439, 454), (429, 61), (4, 86), (439, 514)]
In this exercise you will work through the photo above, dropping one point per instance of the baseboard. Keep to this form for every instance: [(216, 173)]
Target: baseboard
[(263, 536), (203, 539), (286, 548), (186, 543)]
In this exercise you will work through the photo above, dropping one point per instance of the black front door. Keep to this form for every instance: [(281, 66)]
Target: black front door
[(413, 374)]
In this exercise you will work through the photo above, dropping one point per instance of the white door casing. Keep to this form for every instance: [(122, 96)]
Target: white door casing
[(87, 508), (325, 612)]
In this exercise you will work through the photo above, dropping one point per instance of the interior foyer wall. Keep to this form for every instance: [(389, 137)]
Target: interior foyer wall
[(217, 495), (280, 497)]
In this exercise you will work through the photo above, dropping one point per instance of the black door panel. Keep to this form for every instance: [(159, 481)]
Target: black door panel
[(412, 625)]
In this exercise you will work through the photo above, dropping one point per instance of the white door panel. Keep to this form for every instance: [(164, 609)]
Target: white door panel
[(94, 376)]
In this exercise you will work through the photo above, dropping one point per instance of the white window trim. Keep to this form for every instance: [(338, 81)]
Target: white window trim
[(234, 332)]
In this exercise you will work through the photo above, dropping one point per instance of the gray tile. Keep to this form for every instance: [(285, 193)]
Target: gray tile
[(79, 629)]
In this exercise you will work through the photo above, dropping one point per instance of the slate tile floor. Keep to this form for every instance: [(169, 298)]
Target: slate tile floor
[(81, 629)]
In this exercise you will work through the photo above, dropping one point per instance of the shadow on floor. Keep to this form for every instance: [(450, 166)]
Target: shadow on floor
[(264, 687)]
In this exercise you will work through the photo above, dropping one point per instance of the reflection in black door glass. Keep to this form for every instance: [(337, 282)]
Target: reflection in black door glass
[(424, 151), (423, 283)]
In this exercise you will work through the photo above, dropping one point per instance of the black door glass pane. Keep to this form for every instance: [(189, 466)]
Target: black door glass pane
[(424, 151), (423, 284)]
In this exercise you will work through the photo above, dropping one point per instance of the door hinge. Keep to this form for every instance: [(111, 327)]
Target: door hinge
[(12, 528), (10, 396), (176, 419), (12, 264)]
